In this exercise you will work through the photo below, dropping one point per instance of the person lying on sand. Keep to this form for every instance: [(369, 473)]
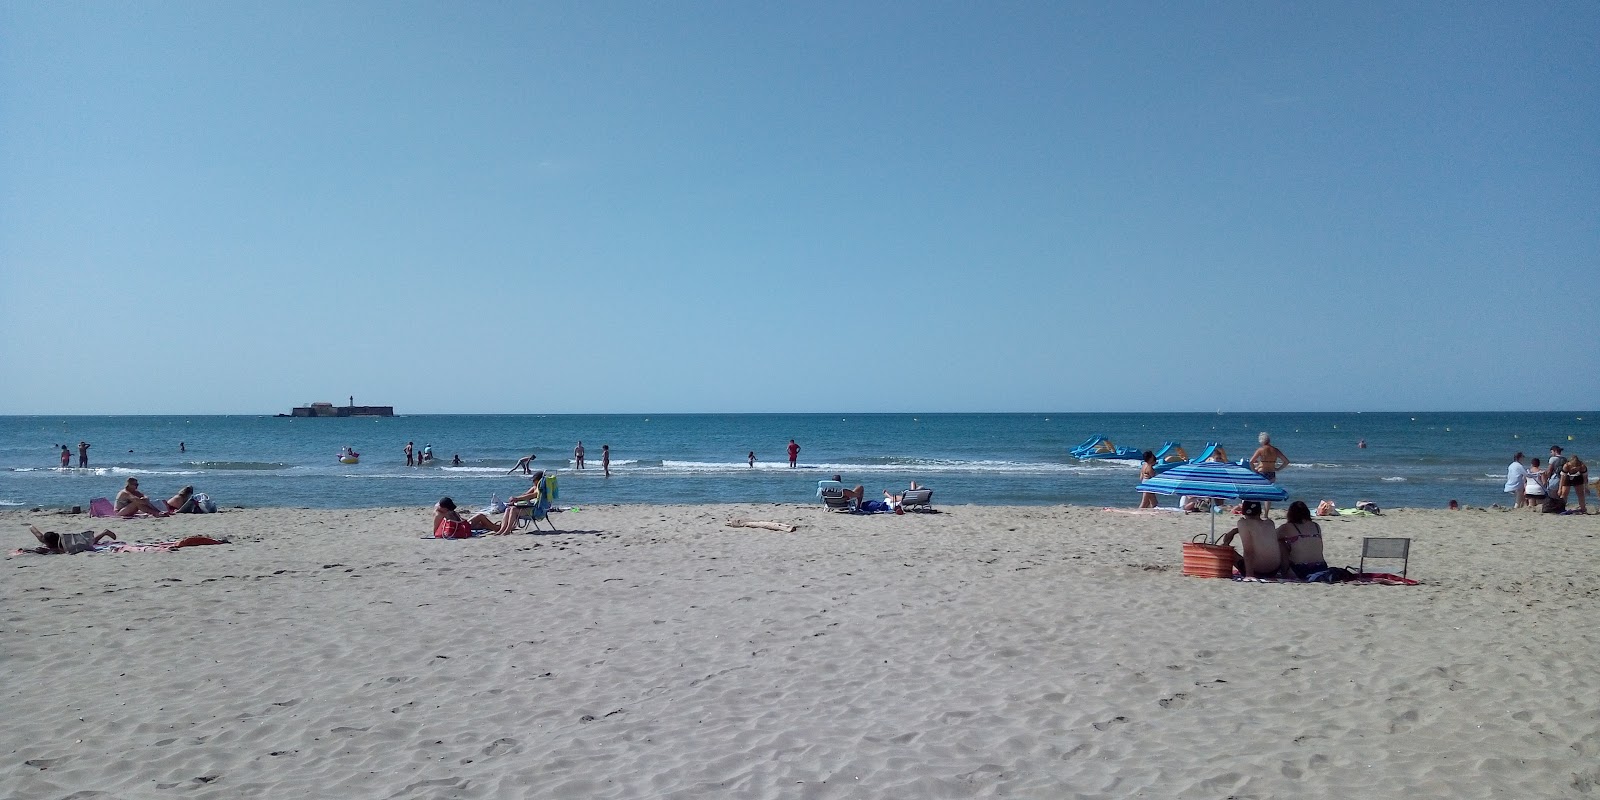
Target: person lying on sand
[(51, 541)]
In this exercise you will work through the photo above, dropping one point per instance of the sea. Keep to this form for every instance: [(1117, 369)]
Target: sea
[(1420, 460)]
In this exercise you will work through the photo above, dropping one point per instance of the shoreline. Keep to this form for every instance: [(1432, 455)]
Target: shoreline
[(653, 651)]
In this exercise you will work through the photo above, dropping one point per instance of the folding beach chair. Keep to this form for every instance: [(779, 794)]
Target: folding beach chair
[(917, 499), (531, 511), (834, 500), (1386, 548)]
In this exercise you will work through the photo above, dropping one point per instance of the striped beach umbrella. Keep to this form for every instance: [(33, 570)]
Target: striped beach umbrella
[(1220, 480)]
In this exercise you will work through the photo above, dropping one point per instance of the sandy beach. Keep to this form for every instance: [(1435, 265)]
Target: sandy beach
[(652, 651)]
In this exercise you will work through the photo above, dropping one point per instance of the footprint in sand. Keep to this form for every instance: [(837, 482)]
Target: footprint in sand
[(1178, 700), (499, 746), (1100, 726)]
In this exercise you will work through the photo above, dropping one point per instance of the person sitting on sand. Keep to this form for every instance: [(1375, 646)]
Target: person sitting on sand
[(1302, 541), (448, 524), (50, 541), (508, 523), (1263, 557), (131, 501), (1533, 486)]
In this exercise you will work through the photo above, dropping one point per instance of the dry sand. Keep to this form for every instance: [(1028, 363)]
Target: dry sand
[(650, 651)]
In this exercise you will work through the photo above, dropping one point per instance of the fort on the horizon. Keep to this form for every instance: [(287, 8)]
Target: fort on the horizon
[(331, 410)]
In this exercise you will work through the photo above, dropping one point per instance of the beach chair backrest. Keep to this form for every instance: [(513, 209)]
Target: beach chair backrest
[(1382, 547), (917, 498)]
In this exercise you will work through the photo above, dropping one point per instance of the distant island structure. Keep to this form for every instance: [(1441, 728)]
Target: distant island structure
[(331, 410)]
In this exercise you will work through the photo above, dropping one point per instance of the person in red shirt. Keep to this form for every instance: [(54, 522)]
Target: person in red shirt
[(794, 453)]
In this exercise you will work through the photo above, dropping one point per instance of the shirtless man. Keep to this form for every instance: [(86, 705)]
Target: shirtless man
[(1263, 557), (523, 465), (1268, 460), (577, 455)]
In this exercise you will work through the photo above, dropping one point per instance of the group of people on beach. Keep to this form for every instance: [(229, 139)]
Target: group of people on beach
[(1549, 487), (130, 501), (449, 524), (1291, 551)]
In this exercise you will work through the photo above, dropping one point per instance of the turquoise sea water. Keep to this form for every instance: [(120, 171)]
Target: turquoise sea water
[(1417, 460)]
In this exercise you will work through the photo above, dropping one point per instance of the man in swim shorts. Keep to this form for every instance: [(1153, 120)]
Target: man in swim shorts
[(1267, 460)]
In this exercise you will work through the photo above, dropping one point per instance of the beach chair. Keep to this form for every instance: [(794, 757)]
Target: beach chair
[(1386, 548), (834, 500), (917, 499), (529, 512)]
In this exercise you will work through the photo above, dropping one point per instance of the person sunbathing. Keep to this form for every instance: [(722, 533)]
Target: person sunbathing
[(448, 524), (50, 541), (181, 500), (131, 501), (1263, 557), (508, 523), (859, 493), (1302, 541)]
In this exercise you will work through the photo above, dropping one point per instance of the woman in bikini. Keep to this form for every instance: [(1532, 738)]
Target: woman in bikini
[(131, 501), (1575, 480), (1302, 542), (1146, 472)]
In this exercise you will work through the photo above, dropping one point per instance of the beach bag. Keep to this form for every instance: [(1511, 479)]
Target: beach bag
[(1554, 505), (77, 542), (495, 506), (453, 529), (1368, 506), (202, 504)]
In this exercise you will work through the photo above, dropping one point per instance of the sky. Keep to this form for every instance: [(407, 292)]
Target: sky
[(634, 207)]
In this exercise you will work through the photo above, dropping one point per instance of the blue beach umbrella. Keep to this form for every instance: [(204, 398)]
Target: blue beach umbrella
[(1220, 480)]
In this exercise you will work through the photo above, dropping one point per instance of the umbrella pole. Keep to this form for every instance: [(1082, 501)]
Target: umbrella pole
[(1213, 539)]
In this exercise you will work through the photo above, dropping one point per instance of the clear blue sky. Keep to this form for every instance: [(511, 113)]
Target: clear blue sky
[(660, 207)]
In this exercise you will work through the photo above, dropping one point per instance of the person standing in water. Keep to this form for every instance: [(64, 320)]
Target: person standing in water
[(752, 459), (524, 464), (605, 459), (411, 459), (794, 453), (83, 453), (577, 455)]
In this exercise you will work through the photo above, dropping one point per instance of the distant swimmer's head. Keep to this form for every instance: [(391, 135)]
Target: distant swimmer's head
[(1264, 438), (1251, 508)]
